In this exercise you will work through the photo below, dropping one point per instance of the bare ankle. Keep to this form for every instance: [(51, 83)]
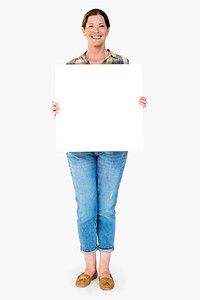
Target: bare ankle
[(90, 263), (90, 271), (104, 273)]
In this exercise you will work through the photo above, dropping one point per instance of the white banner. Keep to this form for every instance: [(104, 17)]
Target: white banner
[(99, 109)]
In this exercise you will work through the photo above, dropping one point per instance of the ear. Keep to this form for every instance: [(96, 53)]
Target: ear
[(83, 30)]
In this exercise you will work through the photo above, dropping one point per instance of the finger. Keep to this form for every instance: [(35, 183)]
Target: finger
[(55, 112), (55, 104), (142, 100), (55, 107)]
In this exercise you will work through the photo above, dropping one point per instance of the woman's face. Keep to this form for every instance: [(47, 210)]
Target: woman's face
[(95, 30)]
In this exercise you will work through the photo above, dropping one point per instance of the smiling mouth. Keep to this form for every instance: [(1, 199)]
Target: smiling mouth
[(96, 37)]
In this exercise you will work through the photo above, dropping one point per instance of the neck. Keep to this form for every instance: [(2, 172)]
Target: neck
[(96, 53)]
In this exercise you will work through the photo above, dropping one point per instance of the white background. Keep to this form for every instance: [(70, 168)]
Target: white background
[(157, 242)]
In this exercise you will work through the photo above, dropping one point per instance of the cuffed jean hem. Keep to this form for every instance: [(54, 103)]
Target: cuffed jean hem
[(100, 250), (89, 252), (106, 250)]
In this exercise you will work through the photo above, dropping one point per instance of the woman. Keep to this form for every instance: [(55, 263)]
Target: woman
[(96, 175)]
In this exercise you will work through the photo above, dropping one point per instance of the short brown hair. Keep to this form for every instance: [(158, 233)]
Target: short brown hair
[(94, 12)]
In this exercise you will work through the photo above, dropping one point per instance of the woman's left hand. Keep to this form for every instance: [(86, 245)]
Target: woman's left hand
[(143, 101)]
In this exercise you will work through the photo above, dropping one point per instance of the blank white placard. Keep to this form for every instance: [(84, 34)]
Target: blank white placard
[(99, 109)]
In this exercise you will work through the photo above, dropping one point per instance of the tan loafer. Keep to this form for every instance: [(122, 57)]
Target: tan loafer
[(84, 279), (106, 283)]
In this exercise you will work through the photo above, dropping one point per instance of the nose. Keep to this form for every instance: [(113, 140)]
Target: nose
[(96, 29)]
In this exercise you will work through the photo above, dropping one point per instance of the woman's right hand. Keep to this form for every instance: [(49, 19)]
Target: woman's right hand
[(55, 108)]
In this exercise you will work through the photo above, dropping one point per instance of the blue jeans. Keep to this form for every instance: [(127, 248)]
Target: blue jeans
[(96, 178)]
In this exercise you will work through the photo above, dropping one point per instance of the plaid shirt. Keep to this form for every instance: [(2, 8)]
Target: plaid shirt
[(112, 58)]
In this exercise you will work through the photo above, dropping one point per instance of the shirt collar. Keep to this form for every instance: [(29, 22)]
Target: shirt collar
[(110, 53)]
